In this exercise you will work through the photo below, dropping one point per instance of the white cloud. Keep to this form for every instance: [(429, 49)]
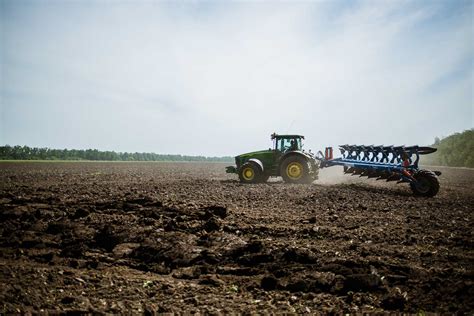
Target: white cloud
[(218, 80)]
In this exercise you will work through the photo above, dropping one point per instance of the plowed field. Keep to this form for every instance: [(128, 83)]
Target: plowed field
[(164, 237)]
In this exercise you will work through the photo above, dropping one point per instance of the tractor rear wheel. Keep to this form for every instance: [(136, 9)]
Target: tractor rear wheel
[(426, 184), (250, 172), (295, 169)]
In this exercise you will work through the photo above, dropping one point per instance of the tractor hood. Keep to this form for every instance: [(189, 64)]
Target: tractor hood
[(256, 154), (253, 153), (265, 156)]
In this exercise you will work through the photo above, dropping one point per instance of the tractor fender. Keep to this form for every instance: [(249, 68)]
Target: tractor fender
[(295, 153), (258, 162)]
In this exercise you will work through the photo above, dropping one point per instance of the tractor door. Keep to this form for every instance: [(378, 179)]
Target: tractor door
[(281, 146), (274, 157)]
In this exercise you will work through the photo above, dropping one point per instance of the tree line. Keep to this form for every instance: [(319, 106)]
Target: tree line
[(456, 150), (34, 153)]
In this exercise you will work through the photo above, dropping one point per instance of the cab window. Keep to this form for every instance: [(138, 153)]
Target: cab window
[(285, 144)]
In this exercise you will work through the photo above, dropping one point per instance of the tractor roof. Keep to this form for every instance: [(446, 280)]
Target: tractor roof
[(286, 136)]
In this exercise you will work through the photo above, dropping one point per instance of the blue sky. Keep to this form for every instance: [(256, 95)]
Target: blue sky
[(217, 78)]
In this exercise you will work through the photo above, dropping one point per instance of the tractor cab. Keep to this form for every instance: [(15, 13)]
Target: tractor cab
[(284, 143)]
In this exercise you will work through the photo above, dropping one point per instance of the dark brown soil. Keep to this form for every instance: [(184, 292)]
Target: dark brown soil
[(159, 237)]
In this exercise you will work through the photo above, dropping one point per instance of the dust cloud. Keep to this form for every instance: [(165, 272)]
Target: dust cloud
[(335, 175)]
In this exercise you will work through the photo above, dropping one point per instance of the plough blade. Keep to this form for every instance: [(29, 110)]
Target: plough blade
[(373, 174), (383, 154), (394, 177), (348, 170)]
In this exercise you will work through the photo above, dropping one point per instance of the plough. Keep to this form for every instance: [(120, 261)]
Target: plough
[(390, 163)]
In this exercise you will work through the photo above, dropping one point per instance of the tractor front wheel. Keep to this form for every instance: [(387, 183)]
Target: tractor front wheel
[(250, 172), (295, 169), (426, 184)]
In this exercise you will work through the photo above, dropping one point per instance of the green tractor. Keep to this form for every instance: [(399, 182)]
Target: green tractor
[(287, 159)]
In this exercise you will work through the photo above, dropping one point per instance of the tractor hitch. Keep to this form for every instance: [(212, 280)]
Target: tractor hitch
[(231, 169)]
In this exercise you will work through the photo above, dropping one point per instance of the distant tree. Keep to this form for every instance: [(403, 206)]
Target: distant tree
[(28, 153), (456, 150)]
